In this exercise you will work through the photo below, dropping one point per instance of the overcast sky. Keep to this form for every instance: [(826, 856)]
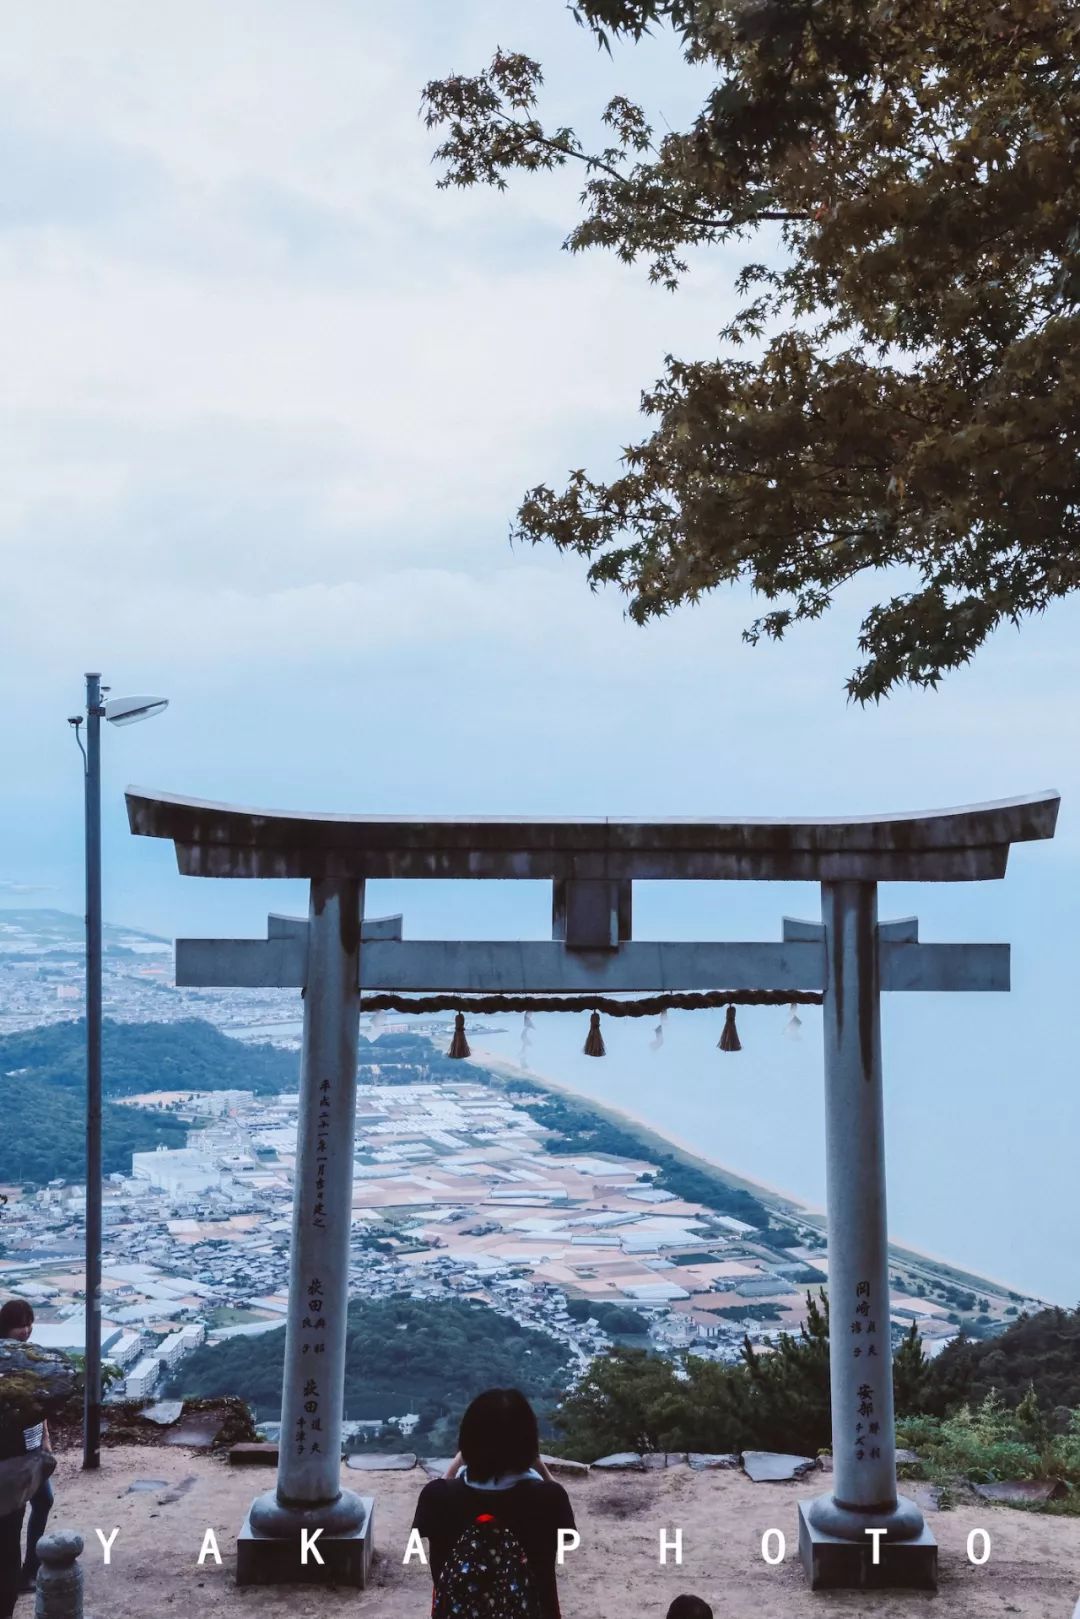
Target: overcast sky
[(270, 400)]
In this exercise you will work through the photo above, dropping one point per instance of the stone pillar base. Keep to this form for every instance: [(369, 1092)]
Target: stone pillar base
[(835, 1564), (275, 1559)]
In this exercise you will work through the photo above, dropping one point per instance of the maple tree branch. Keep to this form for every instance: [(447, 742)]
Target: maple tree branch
[(593, 162)]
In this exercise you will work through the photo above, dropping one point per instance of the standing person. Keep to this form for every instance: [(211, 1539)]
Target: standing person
[(12, 1445), (17, 1321), (497, 1482)]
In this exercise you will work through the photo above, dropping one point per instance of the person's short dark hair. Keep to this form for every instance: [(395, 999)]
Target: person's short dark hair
[(498, 1435), (15, 1313), (688, 1607)]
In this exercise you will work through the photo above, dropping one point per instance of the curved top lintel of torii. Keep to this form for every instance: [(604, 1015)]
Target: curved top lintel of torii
[(952, 845)]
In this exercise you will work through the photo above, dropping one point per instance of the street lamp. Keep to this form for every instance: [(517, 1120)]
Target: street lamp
[(118, 711)]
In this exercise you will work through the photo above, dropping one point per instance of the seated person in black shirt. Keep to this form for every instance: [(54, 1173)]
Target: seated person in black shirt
[(498, 1470)]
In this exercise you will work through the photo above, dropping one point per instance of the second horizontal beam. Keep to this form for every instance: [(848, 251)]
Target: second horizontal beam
[(544, 967)]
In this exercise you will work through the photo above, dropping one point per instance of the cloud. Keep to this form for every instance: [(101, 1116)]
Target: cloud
[(225, 433), (252, 351), (271, 399)]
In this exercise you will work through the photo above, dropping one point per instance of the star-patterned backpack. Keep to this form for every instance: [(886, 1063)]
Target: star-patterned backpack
[(486, 1576)]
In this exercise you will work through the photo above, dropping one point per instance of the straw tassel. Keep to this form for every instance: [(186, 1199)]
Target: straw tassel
[(459, 1046), (526, 1040), (729, 1040), (594, 1040), (793, 1024), (658, 1033)]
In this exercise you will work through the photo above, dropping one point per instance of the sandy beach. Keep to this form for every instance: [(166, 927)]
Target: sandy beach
[(798, 1205), (515, 1071)]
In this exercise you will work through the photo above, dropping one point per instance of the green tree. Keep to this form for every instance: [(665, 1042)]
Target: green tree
[(628, 1399), (910, 1374), (1041, 1350), (614, 1319), (913, 401), (952, 1375), (1032, 1423), (788, 1390)]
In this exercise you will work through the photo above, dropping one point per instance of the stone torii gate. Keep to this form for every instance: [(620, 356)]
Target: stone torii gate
[(849, 957)]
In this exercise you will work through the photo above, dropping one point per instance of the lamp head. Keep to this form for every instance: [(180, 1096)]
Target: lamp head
[(129, 710)]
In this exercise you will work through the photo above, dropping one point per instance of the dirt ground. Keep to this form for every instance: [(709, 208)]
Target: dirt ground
[(1033, 1571)]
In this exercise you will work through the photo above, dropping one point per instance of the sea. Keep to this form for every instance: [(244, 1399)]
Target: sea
[(956, 1137)]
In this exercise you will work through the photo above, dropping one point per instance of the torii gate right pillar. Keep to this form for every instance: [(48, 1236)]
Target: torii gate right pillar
[(862, 1533)]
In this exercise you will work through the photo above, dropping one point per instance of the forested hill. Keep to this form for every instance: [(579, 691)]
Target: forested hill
[(43, 1132), (183, 1056), (429, 1356), (43, 1085), (1041, 1350)]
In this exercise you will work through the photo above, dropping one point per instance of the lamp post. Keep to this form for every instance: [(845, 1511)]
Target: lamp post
[(118, 711)]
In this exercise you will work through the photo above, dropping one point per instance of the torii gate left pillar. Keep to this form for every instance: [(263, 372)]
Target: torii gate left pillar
[(859, 1534), (309, 1527)]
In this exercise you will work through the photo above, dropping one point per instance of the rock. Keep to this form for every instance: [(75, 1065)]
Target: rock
[(34, 1382), (402, 1462), (707, 1461), (907, 1458), (621, 1461), (825, 1463), (927, 1497), (253, 1453), (561, 1465), (164, 1412), (774, 1467), (1019, 1492), (138, 1485), (220, 1423), (197, 1428), (435, 1466)]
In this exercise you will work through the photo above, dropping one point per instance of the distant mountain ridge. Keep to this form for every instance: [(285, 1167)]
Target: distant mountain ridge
[(55, 929)]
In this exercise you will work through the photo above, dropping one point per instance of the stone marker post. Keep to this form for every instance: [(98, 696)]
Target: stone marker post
[(309, 1496), (833, 1528), (59, 1591)]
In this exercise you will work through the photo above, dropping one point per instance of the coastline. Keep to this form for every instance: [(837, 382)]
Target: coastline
[(624, 1116), (811, 1212)]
